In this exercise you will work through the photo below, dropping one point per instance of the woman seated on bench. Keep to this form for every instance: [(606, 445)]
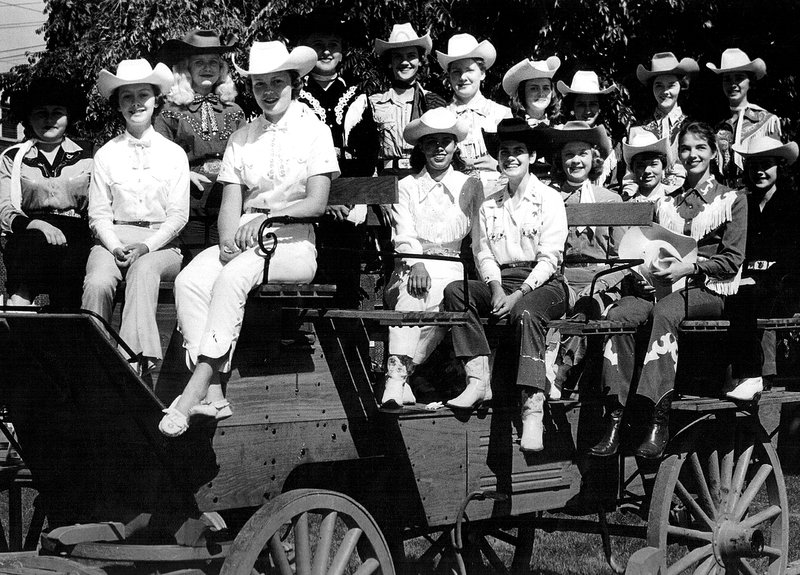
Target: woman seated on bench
[(433, 215), (716, 217), (280, 164), (518, 243)]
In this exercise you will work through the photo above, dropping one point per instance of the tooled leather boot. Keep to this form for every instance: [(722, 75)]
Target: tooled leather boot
[(658, 433), (609, 444)]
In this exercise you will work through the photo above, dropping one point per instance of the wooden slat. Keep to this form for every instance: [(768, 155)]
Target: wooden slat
[(393, 317), (775, 396), (380, 190), (610, 214), (705, 325), (593, 327)]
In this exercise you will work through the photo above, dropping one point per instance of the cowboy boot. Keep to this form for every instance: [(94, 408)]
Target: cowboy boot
[(479, 389), (609, 444), (532, 420), (658, 433), (396, 378), (408, 394)]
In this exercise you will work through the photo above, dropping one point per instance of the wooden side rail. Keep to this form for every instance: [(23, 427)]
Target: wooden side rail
[(723, 325)]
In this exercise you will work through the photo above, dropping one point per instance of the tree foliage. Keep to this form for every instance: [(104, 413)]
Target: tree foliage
[(609, 36)]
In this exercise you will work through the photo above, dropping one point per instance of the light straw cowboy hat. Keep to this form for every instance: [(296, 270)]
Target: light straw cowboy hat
[(403, 36), (528, 70), (640, 141), (435, 121), (516, 129), (666, 63), (578, 131), (462, 46), (584, 82), (735, 60), (134, 72), (269, 57), (766, 147), (195, 41), (655, 245)]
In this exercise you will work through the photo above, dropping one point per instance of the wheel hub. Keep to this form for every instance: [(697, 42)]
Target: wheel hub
[(732, 541)]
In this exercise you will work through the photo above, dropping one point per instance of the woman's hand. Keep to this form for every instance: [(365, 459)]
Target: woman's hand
[(52, 234), (502, 303), (227, 251), (338, 213), (419, 281), (199, 183), (133, 252), (247, 234), (674, 271)]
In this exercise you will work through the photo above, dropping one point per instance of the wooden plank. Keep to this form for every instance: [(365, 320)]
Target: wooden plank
[(610, 214), (775, 396), (372, 191), (393, 317)]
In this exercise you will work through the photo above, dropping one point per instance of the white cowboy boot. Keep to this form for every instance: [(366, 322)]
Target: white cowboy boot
[(479, 389), (396, 378), (532, 420), (746, 389)]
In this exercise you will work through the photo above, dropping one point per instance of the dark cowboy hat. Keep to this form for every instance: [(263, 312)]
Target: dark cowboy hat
[(576, 130), (517, 129), (47, 91), (325, 20), (195, 41)]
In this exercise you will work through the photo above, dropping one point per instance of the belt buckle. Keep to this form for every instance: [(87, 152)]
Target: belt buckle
[(404, 163)]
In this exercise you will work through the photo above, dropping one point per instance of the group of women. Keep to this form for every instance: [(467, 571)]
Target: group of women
[(470, 168)]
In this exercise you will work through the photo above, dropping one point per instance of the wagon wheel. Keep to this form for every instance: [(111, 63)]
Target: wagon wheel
[(720, 501), (296, 532)]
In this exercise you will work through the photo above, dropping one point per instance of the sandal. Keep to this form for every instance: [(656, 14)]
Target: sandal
[(174, 423), (217, 410)]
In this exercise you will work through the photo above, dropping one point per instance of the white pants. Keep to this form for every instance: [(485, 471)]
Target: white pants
[(419, 342), (210, 297)]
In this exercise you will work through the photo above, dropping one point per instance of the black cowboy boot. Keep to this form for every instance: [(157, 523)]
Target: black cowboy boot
[(609, 444), (658, 434)]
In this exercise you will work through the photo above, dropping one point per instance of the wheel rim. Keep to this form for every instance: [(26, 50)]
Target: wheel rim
[(719, 501), (310, 532)]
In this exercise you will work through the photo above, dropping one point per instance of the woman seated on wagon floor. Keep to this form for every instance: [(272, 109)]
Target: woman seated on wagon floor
[(518, 242), (435, 212), (280, 164), (44, 185)]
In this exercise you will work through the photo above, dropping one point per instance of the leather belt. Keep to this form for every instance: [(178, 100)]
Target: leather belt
[(71, 213), (139, 224), (397, 164), (526, 264), (258, 211)]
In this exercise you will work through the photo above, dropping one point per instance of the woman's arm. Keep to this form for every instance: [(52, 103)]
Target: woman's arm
[(730, 255), (550, 252), (177, 205)]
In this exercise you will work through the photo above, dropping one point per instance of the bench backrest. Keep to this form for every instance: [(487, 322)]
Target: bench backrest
[(370, 191), (610, 214)]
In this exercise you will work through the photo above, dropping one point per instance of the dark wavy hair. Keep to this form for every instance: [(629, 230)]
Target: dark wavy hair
[(785, 181), (417, 158), (553, 110)]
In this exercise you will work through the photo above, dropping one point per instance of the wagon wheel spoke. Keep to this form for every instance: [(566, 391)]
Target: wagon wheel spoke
[(714, 482), (683, 534), (368, 567), (278, 554), (739, 476), (752, 489), (690, 559), (745, 567), (703, 492), (706, 567), (302, 546), (323, 551), (687, 499), (726, 470), (773, 552), (345, 551), (770, 512), (491, 556)]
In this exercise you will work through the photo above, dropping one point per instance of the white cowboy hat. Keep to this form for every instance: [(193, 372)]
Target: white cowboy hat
[(134, 72), (402, 36), (666, 63), (462, 46), (735, 60), (641, 140), (527, 70), (584, 82), (764, 146), (269, 57), (578, 131), (655, 244), (435, 121)]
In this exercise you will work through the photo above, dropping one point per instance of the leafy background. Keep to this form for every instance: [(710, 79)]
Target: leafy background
[(609, 36)]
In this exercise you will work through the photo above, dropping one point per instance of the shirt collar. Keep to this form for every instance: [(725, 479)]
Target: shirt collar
[(477, 104), (426, 183), (702, 190), (751, 111), (294, 111), (673, 116), (146, 137)]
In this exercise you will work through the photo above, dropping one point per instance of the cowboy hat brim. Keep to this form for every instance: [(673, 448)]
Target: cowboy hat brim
[(757, 67), (173, 51), (484, 50), (418, 129), (44, 91), (424, 42), (659, 146), (686, 67), (302, 59), (596, 136), (788, 152), (536, 139), (161, 76), (565, 90), (525, 70)]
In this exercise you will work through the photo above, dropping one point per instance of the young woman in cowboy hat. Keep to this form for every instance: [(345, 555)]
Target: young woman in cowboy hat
[(667, 77), (529, 84), (518, 247), (583, 100), (578, 160), (770, 280), (405, 100), (646, 155), (280, 164), (138, 203), (465, 63), (435, 212), (44, 184), (747, 121), (200, 113), (716, 218)]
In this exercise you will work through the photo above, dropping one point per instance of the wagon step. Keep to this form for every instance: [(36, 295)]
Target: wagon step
[(393, 317)]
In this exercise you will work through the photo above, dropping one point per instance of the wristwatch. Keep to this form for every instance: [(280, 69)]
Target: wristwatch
[(525, 289)]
